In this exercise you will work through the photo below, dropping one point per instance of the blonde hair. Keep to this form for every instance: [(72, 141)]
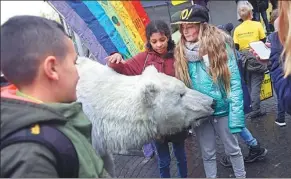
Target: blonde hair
[(284, 32), (245, 11), (211, 42)]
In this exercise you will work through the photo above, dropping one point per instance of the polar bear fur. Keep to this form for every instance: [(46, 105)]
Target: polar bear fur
[(128, 111)]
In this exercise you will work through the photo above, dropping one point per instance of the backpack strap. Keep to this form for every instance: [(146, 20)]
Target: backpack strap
[(53, 139)]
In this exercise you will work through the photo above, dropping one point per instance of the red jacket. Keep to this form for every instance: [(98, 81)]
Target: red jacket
[(136, 65)]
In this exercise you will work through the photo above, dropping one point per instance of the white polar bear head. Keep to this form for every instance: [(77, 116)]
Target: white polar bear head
[(128, 111), (171, 103)]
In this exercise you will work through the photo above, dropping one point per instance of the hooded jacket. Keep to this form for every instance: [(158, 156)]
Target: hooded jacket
[(33, 160)]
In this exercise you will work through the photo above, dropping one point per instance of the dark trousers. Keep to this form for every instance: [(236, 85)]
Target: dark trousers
[(164, 158), (257, 17), (254, 84), (281, 111)]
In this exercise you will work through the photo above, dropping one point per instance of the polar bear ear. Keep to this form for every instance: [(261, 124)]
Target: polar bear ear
[(150, 70), (150, 92)]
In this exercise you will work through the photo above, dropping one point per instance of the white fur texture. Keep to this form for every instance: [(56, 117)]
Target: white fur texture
[(129, 111)]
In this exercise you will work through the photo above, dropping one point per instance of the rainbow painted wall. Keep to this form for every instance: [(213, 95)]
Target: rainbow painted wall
[(107, 26)]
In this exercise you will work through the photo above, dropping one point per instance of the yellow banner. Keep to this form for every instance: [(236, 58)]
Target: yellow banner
[(128, 38), (122, 13), (266, 88), (177, 2)]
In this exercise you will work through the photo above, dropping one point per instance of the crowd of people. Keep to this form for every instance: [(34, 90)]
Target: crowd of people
[(43, 79)]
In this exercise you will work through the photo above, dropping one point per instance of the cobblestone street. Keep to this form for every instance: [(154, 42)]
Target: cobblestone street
[(276, 164)]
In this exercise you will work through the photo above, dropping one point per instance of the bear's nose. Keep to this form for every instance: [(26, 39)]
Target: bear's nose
[(213, 105)]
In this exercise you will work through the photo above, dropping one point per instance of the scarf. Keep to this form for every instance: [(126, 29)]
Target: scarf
[(192, 51)]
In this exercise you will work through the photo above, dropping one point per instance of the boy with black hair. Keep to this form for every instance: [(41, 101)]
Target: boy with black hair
[(44, 132)]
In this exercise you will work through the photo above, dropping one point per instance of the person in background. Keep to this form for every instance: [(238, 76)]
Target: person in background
[(247, 32), (280, 58), (274, 4), (226, 28), (240, 3), (280, 119), (260, 8), (255, 151), (201, 3), (273, 16), (201, 47), (160, 53)]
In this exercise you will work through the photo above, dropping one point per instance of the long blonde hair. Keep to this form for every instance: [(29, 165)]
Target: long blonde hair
[(211, 42), (284, 32)]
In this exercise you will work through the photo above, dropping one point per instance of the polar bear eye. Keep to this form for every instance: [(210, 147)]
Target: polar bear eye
[(182, 95)]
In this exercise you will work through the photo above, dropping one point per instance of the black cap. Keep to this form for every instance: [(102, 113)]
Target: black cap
[(193, 14)]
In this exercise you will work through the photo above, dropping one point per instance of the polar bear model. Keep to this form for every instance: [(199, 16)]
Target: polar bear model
[(129, 111)]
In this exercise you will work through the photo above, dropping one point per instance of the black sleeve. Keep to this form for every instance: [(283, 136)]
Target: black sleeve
[(27, 160), (236, 46)]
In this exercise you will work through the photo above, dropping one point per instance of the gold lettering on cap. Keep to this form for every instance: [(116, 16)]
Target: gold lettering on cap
[(185, 14)]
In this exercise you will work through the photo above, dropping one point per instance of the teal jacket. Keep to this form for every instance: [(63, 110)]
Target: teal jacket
[(230, 105)]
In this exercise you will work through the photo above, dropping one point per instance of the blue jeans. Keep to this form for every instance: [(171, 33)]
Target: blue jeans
[(248, 138), (265, 19), (164, 158)]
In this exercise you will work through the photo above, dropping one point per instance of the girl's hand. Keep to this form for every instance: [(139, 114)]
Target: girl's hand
[(115, 58)]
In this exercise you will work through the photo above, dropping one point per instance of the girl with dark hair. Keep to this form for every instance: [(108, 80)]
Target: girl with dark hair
[(159, 53)]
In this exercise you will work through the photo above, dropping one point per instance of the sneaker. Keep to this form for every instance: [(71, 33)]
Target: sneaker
[(255, 153), (257, 114), (281, 124), (225, 161)]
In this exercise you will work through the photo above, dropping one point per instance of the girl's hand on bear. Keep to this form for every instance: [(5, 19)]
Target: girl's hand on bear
[(115, 58)]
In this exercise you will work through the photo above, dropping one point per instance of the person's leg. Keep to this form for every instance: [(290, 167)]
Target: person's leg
[(231, 146), (257, 79), (255, 150), (248, 138), (249, 83), (266, 22), (164, 158), (280, 114), (179, 151), (257, 16), (206, 136)]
